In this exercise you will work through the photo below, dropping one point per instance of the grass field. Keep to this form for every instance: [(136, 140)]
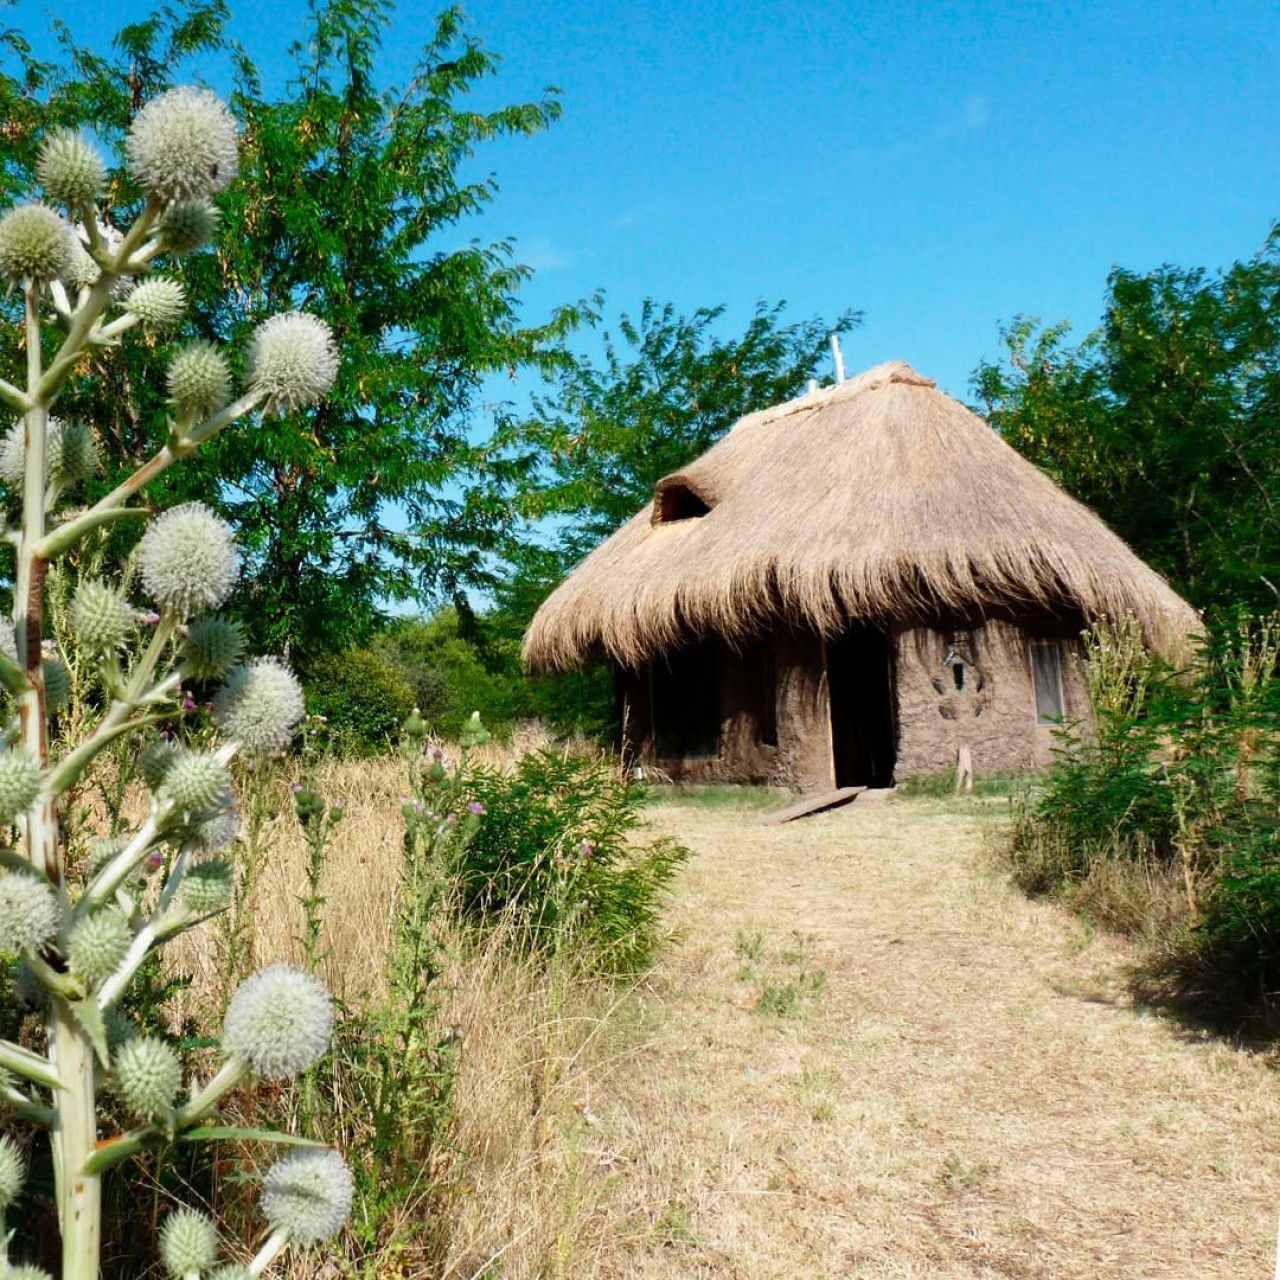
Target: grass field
[(863, 1055)]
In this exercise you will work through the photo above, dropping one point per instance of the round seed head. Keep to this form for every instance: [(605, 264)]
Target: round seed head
[(189, 225), (188, 1242), (158, 303), (120, 1028), (279, 1020), (232, 1271), (8, 642), (19, 782), (199, 380), (100, 617), (206, 888), (260, 705), (97, 945), (72, 451), (104, 849), (35, 244), (70, 169), (182, 145), (27, 1273), (12, 455), (293, 361), (155, 760), (13, 1172), (195, 782), (57, 685), (308, 1193), (216, 834), (214, 645), (188, 560), (28, 912), (147, 1076)]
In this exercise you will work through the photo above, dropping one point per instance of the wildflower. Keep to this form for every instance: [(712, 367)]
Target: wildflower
[(188, 1243), (188, 559), (475, 808), (195, 782), (19, 782), (188, 225), (100, 617), (98, 944), (13, 1172), (158, 304), (182, 145), (308, 1194), (147, 1076), (293, 361), (70, 169), (260, 705), (35, 244), (199, 380), (207, 888), (279, 1020)]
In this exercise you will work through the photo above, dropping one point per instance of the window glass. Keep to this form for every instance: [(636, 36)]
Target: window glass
[(1046, 676)]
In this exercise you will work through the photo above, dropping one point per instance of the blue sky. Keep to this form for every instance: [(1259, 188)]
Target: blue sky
[(942, 167)]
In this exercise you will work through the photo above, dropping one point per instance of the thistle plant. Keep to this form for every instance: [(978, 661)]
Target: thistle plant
[(82, 928)]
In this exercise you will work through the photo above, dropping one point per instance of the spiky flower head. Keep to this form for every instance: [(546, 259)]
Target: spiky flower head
[(188, 560), (199, 380), (279, 1020), (182, 145), (31, 993), (101, 617), (216, 833), (155, 760), (158, 303), (232, 1271), (19, 782), (147, 1076), (293, 361), (188, 225), (27, 1272), (35, 244), (13, 1171), (260, 705), (70, 453), (308, 1194), (214, 645), (188, 1243), (206, 888), (98, 943), (103, 850), (28, 912), (57, 685), (8, 641), (70, 169), (195, 782), (73, 450), (119, 1027)]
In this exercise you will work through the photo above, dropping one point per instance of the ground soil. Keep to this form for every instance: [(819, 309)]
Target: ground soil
[(868, 1056)]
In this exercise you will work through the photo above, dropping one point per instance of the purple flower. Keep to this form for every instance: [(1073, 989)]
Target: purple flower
[(437, 754), (296, 788), (475, 808), (156, 859), (188, 703), (585, 850), (451, 818), (151, 618)]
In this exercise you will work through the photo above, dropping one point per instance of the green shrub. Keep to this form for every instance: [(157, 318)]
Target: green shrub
[(551, 850), (363, 697)]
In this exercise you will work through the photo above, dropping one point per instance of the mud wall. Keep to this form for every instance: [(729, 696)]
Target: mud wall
[(993, 713)]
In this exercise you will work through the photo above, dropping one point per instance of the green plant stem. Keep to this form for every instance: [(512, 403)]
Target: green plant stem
[(232, 1072), (269, 1252), (28, 1065), (74, 1136)]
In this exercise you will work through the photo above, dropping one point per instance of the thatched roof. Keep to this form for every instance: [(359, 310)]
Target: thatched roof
[(880, 498)]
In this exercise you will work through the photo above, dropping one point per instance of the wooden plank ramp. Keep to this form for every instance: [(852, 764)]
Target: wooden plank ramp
[(811, 804)]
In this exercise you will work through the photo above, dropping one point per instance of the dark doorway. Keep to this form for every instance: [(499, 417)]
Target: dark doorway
[(860, 685), (686, 703)]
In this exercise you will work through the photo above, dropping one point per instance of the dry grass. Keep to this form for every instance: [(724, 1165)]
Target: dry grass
[(968, 1095)]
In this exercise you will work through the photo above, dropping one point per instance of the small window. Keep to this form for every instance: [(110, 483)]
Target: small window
[(678, 500), (1046, 677)]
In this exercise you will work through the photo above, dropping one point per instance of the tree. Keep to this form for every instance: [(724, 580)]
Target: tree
[(668, 390), (345, 190), (1166, 420)]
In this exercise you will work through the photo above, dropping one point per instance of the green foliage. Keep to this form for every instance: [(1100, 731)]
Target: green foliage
[(1163, 419), (351, 198), (550, 851), (363, 697), (458, 663), (1162, 821)]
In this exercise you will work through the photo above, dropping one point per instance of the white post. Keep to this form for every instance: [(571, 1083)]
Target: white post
[(837, 357)]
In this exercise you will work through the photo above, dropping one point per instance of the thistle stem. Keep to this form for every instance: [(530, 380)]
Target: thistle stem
[(269, 1252)]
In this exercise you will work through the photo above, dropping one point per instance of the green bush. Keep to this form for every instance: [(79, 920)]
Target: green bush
[(550, 850), (364, 698), (1163, 819)]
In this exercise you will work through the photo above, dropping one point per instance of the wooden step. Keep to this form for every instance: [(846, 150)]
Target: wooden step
[(811, 804)]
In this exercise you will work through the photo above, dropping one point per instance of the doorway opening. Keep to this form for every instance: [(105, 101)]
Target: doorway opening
[(860, 686)]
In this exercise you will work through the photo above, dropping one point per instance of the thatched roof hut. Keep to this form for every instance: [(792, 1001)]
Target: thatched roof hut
[(880, 502)]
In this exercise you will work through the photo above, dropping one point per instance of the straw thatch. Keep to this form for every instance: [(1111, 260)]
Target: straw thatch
[(880, 498)]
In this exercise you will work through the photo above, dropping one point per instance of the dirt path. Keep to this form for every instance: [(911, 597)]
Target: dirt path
[(868, 1057)]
